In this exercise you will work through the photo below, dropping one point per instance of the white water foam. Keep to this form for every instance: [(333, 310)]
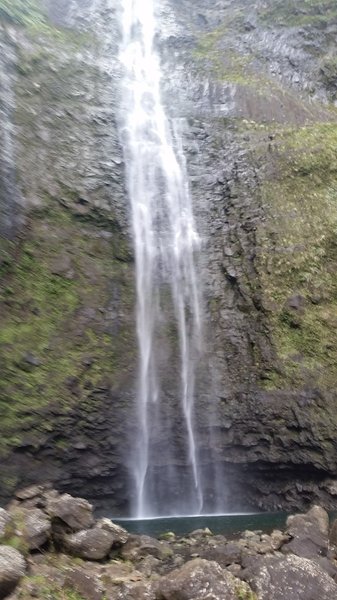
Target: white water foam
[(165, 241)]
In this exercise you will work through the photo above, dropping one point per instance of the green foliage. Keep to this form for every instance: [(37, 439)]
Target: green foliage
[(226, 64), (14, 534), (30, 14), (45, 589), (21, 12), (300, 12), (298, 252), (243, 592), (42, 309), (328, 69)]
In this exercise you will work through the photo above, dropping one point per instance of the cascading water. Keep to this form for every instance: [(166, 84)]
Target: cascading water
[(165, 240)]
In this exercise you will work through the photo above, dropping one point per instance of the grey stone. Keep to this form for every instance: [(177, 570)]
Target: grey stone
[(74, 512), (309, 533), (29, 493), (120, 534), (224, 555), (136, 591), (36, 527), (290, 578), (139, 546), (12, 568), (201, 580), (87, 586), (90, 544), (5, 520)]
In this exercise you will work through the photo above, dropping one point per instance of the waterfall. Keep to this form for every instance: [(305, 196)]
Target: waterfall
[(165, 242)]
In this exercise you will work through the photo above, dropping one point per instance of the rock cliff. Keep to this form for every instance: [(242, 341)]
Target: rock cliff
[(257, 90)]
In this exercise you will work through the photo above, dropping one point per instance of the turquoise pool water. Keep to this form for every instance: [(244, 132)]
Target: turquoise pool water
[(222, 524)]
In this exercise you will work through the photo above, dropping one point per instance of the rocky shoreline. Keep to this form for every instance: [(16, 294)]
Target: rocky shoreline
[(53, 547)]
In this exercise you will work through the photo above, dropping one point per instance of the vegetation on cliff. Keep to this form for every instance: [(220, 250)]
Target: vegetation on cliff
[(298, 13), (298, 251), (22, 12)]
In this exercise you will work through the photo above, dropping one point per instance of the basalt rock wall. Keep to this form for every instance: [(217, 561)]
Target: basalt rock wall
[(256, 98)]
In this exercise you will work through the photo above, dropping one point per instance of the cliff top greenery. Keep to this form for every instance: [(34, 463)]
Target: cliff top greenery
[(300, 12), (21, 12)]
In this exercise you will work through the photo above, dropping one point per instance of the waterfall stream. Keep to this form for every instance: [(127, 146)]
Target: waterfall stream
[(166, 242)]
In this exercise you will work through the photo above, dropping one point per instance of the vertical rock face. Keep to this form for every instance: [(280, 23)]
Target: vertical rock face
[(67, 297), (9, 191), (256, 87)]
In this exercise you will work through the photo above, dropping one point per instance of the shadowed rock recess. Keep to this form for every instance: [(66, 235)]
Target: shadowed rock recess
[(256, 83)]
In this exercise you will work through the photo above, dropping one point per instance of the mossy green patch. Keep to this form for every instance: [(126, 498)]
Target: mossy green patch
[(223, 64), (243, 592), (22, 12), (299, 13), (298, 253), (31, 15), (328, 71), (45, 588), (66, 321), (212, 56)]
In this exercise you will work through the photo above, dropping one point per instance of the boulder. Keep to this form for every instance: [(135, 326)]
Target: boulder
[(12, 568), (290, 578), (5, 521), (28, 493), (121, 536), (139, 546), (309, 533), (333, 533), (36, 528), (32, 525), (88, 586), (201, 580), (74, 512), (224, 555), (328, 566), (136, 591), (198, 534), (90, 544)]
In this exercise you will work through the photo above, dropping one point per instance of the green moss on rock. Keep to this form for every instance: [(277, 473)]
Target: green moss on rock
[(298, 13), (298, 253), (58, 338), (22, 12)]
